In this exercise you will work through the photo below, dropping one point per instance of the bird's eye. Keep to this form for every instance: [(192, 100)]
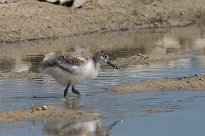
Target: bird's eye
[(106, 56)]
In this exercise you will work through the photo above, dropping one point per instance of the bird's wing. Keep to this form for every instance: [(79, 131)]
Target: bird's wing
[(70, 62)]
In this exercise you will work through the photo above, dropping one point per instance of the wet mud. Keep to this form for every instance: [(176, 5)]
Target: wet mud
[(192, 83), (50, 114)]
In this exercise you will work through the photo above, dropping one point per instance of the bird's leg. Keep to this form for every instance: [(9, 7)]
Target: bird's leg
[(66, 90), (75, 91)]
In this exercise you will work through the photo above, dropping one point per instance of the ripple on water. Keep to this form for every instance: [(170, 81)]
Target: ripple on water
[(187, 116)]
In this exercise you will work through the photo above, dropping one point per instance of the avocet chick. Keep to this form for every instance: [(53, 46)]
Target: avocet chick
[(71, 68)]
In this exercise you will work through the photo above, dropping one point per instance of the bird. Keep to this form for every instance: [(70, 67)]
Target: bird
[(69, 3), (71, 68)]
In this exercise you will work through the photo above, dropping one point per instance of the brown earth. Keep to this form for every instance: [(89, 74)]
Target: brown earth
[(194, 83), (50, 114), (17, 75), (30, 20), (147, 59)]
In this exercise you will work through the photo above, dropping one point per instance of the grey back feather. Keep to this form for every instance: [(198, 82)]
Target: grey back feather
[(62, 61)]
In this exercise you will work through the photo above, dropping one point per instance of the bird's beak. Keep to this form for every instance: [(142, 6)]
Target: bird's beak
[(112, 65)]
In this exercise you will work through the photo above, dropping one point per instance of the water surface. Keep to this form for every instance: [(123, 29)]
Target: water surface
[(123, 113)]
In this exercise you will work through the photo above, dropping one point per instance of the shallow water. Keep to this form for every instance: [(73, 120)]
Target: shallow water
[(186, 116), (123, 113)]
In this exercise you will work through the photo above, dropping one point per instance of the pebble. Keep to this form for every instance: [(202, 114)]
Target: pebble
[(181, 13), (44, 107), (39, 108)]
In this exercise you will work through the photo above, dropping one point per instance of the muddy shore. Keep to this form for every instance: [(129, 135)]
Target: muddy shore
[(15, 116), (31, 20), (192, 83)]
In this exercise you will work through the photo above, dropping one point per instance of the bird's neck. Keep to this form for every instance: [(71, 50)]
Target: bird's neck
[(96, 62)]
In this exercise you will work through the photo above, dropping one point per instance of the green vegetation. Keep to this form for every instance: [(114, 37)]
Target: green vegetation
[(135, 12)]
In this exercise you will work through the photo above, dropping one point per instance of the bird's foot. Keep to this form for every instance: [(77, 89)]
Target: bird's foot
[(75, 91)]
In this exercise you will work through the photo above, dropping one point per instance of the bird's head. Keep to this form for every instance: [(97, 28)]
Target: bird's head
[(102, 57)]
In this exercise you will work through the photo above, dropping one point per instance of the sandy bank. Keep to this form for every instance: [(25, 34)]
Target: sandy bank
[(194, 83), (50, 114), (30, 20)]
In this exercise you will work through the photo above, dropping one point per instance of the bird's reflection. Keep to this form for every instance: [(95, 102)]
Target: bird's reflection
[(72, 102), (77, 127)]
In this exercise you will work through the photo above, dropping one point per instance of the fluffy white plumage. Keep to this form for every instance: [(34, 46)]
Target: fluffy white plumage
[(70, 68), (72, 73)]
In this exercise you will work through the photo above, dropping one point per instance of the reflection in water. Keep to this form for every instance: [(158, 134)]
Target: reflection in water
[(27, 55), (26, 93), (34, 62), (78, 127), (131, 107)]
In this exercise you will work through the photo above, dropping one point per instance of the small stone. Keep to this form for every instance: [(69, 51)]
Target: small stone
[(44, 107), (38, 108), (188, 81), (181, 13), (144, 15), (155, 4)]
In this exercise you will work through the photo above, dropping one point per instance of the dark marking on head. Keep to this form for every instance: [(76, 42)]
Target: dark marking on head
[(100, 56)]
